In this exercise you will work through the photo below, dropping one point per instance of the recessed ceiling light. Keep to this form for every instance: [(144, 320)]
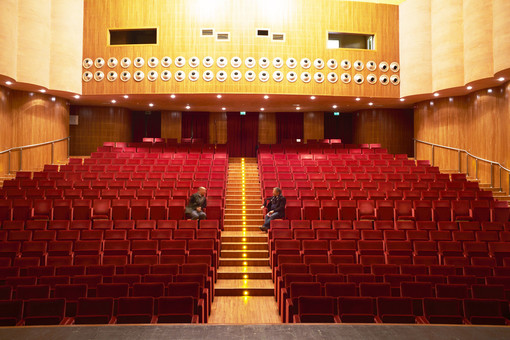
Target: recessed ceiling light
[(298, 108), (312, 97), (188, 107), (402, 99), (53, 99), (76, 96), (431, 103), (126, 96), (358, 99), (8, 82), (266, 97), (436, 94), (42, 90), (113, 101), (151, 105), (31, 94), (262, 109), (469, 87), (172, 96), (451, 99), (223, 108), (489, 90), (370, 104), (334, 106), (501, 79), (218, 96)]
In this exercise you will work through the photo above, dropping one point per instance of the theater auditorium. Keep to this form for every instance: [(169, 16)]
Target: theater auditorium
[(247, 169)]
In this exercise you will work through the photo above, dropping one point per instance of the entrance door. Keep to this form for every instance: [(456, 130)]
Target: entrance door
[(242, 134), (145, 124)]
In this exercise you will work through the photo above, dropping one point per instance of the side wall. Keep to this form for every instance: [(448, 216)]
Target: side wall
[(477, 123), (29, 118)]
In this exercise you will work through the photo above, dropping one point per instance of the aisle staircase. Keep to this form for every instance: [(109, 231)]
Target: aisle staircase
[(244, 259)]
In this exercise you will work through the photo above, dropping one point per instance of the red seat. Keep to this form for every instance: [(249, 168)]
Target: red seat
[(319, 309), (395, 310), (443, 311), (356, 310), (177, 309), (94, 310), (44, 311)]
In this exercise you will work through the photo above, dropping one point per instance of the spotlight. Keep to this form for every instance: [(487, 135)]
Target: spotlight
[(151, 105), (334, 106), (358, 99), (42, 90), (126, 96), (223, 108), (76, 96), (402, 99), (218, 96), (489, 91), (113, 101), (298, 108), (501, 79), (262, 109), (8, 82), (370, 104), (436, 94), (188, 107), (469, 87), (172, 96), (266, 97), (312, 97), (53, 99)]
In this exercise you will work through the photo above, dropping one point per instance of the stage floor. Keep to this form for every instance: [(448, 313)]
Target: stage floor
[(284, 331)]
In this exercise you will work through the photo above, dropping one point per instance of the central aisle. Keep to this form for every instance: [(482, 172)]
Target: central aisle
[(244, 292)]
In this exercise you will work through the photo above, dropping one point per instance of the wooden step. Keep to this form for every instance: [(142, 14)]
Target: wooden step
[(260, 287), (239, 236), (240, 246), (252, 254), (244, 273), (243, 262)]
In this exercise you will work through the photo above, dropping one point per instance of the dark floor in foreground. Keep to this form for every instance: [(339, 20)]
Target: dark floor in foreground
[(308, 332)]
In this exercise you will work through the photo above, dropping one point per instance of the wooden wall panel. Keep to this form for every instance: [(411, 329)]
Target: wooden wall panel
[(66, 45), (171, 124), (466, 41), (415, 44), (267, 128), (393, 129), (98, 125), (9, 37), (501, 34), (217, 127), (33, 59), (478, 46), (313, 125), (179, 23), (447, 44), (31, 118), (477, 123), (45, 40)]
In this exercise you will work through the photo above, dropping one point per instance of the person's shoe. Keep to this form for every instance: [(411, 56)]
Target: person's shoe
[(263, 229)]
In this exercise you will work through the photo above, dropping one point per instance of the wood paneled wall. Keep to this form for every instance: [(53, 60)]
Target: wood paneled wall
[(267, 128), (171, 124), (179, 23), (393, 129), (447, 44), (31, 118), (217, 127), (97, 125), (45, 42), (477, 123), (313, 125)]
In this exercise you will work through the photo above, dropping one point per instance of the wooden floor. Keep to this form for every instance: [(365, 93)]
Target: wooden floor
[(244, 310)]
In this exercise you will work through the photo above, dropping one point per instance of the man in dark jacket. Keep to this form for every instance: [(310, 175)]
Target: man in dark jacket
[(275, 206), (196, 205)]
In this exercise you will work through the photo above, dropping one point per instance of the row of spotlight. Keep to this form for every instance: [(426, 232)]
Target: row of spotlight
[(249, 62), (236, 75)]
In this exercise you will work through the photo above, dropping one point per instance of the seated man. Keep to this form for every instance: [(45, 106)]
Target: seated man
[(275, 206), (196, 205)]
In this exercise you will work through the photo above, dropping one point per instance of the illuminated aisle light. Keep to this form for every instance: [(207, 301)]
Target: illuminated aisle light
[(244, 247), (244, 239), (245, 276), (245, 264), (245, 292), (244, 255)]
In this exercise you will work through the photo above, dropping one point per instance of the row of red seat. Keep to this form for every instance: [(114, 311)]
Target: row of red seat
[(101, 209), (108, 194), (340, 149), (157, 153), (42, 178)]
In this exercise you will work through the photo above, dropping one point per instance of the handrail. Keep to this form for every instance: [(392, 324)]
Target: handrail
[(468, 154), (21, 148)]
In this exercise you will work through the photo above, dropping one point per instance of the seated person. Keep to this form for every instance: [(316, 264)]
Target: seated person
[(275, 206), (196, 205)]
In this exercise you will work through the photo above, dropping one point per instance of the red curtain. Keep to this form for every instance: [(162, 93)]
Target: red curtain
[(289, 126), (195, 125), (242, 134)]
